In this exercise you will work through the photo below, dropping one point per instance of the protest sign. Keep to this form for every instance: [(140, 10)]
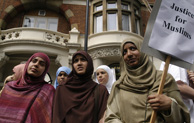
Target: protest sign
[(170, 31)]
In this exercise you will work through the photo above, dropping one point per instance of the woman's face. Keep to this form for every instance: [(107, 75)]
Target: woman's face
[(62, 77), (80, 64), (131, 55), (102, 76), (36, 67)]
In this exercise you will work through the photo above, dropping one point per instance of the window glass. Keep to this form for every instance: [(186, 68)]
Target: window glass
[(125, 22), (52, 24), (119, 14), (28, 22), (136, 11), (111, 5), (98, 8), (98, 24), (112, 21), (41, 22), (125, 6)]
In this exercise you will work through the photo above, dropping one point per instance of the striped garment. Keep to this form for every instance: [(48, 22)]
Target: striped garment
[(29, 106), (30, 98)]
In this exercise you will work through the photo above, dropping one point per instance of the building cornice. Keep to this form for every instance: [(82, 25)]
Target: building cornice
[(105, 52)]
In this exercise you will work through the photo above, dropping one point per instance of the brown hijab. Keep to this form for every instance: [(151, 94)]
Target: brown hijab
[(74, 100)]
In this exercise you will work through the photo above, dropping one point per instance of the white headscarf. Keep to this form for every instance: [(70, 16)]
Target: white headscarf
[(111, 76)]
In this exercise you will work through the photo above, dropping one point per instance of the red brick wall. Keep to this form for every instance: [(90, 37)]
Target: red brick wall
[(5, 3), (144, 17), (79, 12), (64, 25), (145, 14)]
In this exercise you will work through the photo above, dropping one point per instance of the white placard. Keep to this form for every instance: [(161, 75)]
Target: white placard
[(173, 30)]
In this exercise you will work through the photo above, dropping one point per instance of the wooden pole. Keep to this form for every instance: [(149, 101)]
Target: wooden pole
[(167, 62), (161, 86)]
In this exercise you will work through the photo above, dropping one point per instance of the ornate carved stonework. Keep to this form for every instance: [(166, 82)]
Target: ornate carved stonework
[(56, 38), (10, 35), (105, 52)]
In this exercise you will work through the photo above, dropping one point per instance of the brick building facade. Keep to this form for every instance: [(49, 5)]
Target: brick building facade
[(57, 28)]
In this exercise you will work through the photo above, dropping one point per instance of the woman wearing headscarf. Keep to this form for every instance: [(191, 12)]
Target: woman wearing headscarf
[(61, 75), (30, 98), (105, 76), (18, 70), (80, 99), (133, 96)]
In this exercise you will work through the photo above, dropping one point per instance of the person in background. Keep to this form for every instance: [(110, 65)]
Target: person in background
[(184, 80), (104, 75), (80, 99), (134, 96), (61, 75), (18, 70), (30, 98)]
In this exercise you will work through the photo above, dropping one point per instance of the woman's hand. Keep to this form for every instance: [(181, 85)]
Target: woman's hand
[(159, 102), (191, 78)]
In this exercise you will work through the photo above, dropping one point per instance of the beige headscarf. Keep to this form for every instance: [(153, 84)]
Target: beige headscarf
[(143, 80), (144, 77)]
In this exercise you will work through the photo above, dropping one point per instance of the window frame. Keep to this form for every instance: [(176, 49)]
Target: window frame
[(137, 17), (129, 22), (36, 18), (95, 27), (120, 11)]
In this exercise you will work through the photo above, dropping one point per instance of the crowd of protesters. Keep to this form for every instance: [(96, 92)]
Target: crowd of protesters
[(78, 97)]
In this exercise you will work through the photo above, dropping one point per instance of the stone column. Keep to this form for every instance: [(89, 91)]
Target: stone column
[(74, 36), (73, 44), (61, 60), (97, 62)]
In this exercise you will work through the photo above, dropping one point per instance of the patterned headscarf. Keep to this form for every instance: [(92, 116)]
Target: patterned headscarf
[(34, 80), (28, 97)]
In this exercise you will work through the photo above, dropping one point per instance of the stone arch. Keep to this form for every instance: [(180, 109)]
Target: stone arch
[(24, 5)]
